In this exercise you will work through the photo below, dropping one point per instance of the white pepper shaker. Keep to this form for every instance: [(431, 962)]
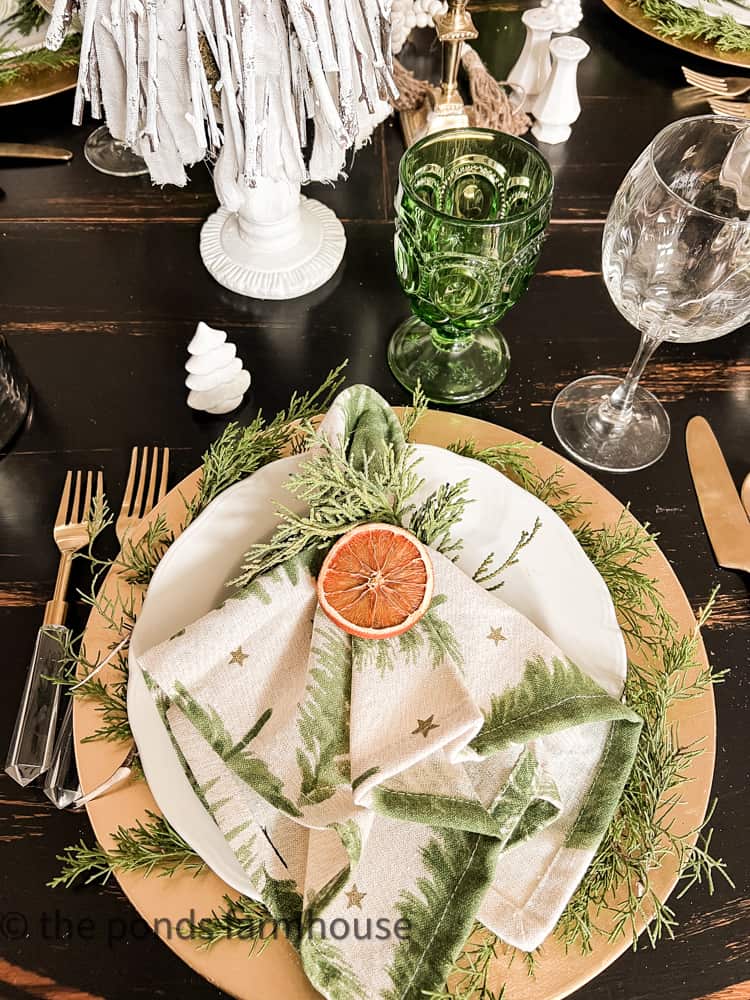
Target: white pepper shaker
[(557, 106), (533, 65)]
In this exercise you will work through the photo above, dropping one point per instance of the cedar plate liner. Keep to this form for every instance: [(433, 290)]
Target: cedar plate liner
[(277, 971)]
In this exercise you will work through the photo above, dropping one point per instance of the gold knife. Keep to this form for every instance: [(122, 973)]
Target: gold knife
[(725, 518), (24, 151)]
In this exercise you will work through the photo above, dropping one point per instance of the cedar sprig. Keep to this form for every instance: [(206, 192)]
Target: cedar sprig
[(434, 520), (27, 17), (149, 846), (338, 497), (112, 702), (139, 559), (488, 575), (240, 451), (469, 974), (240, 918), (418, 408), (16, 66), (618, 552), (512, 459), (642, 834), (672, 20)]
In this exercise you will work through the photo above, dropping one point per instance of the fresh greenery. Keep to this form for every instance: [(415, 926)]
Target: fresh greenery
[(469, 976), (240, 918), (150, 846), (16, 66), (674, 21), (338, 497), (642, 836), (139, 559), (111, 700), (28, 16), (488, 575), (240, 451), (433, 521), (616, 892)]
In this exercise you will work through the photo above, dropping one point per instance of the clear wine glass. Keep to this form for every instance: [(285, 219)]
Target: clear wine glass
[(676, 262)]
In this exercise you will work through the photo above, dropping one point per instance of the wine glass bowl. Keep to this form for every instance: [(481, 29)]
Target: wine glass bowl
[(676, 263), (676, 243), (471, 210)]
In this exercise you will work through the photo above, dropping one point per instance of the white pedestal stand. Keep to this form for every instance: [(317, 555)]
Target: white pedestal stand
[(269, 242)]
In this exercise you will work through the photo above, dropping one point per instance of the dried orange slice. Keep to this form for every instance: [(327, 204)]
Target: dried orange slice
[(376, 582)]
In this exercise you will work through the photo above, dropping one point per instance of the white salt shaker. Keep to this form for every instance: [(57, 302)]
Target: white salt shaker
[(557, 106), (533, 65)]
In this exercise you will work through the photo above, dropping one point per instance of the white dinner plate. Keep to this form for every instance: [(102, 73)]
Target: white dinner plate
[(554, 584)]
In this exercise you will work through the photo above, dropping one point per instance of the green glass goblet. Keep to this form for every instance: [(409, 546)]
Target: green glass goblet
[(471, 209)]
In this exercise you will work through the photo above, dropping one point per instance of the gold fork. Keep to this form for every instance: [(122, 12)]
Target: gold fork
[(134, 508), (31, 746), (737, 109), (729, 86), (138, 501), (71, 535)]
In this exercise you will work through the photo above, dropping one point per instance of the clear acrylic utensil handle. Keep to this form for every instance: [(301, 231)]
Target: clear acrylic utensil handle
[(33, 737), (61, 784)]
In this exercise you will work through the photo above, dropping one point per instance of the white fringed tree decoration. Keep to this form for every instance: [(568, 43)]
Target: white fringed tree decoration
[(216, 379), (178, 78), (280, 89)]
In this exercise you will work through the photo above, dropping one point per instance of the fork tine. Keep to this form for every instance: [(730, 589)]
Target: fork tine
[(718, 87), (62, 510), (148, 505), (125, 505), (74, 510), (723, 107), (713, 81), (86, 513), (164, 476), (99, 495), (135, 510)]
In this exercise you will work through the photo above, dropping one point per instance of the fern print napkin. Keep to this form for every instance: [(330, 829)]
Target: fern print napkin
[(383, 794)]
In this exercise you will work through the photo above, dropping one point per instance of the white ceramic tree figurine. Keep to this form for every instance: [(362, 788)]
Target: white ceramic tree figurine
[(216, 379)]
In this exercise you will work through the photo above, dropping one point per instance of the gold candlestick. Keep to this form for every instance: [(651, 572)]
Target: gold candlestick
[(444, 107)]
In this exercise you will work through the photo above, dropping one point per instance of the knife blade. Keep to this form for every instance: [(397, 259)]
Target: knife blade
[(726, 522), (24, 151)]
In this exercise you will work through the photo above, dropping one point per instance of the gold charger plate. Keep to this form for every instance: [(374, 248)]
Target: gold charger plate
[(276, 971), (40, 83), (634, 15)]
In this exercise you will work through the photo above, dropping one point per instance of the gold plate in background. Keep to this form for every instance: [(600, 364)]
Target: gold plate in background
[(634, 15), (276, 971), (39, 83)]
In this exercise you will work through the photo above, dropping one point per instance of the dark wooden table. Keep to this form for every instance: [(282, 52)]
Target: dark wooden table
[(101, 286)]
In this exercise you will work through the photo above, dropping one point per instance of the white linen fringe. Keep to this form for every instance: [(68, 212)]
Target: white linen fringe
[(296, 82)]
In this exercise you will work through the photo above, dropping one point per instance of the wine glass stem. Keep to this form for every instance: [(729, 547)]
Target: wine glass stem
[(617, 408)]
